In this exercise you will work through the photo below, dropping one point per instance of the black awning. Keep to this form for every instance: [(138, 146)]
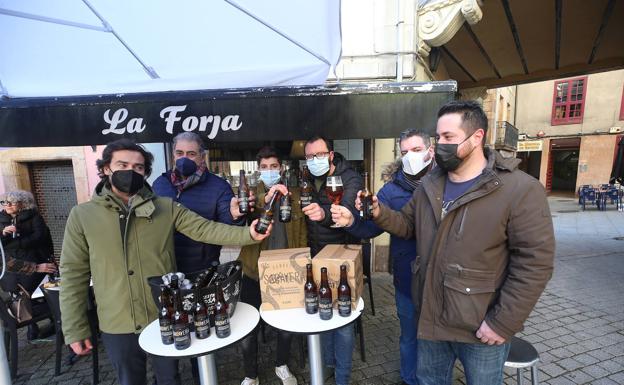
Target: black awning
[(255, 114)]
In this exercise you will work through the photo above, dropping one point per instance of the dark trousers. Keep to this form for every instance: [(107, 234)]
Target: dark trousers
[(129, 361), (250, 293)]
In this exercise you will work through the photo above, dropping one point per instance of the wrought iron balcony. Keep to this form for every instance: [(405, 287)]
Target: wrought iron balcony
[(506, 136)]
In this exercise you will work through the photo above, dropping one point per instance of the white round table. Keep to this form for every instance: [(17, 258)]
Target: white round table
[(298, 321), (244, 320)]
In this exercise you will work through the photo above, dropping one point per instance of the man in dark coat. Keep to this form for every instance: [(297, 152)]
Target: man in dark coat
[(322, 162), (202, 192)]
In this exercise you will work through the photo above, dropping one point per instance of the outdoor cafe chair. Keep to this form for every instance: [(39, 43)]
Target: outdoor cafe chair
[(588, 195), (40, 311), (52, 298)]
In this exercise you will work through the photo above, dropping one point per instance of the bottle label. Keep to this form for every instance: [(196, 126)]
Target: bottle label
[(306, 199), (202, 326), (222, 325), (182, 335), (367, 209), (243, 202), (166, 331), (285, 210), (311, 303), (325, 308), (263, 224), (344, 306)]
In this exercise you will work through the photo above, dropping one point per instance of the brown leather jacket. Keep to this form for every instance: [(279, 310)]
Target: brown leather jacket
[(296, 231), (488, 259)]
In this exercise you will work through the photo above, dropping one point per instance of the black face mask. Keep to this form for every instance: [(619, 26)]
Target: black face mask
[(127, 181), (446, 155)]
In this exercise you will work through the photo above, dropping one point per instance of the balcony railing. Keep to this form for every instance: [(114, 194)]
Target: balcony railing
[(506, 136)]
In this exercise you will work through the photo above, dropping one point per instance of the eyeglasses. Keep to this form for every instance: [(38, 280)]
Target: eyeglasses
[(8, 203), (318, 155)]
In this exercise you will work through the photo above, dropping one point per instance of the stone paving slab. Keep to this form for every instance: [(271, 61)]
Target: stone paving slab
[(577, 326)]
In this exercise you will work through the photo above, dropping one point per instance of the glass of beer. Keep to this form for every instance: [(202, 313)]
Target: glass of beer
[(334, 191)]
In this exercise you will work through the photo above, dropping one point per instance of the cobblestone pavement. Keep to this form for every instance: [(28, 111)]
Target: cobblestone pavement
[(577, 326)]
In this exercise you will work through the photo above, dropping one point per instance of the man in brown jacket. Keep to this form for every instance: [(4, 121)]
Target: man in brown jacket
[(485, 248)]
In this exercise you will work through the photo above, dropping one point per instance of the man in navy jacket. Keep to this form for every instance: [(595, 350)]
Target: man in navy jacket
[(401, 177), (197, 189)]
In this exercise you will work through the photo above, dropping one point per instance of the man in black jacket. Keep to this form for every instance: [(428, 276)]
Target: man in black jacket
[(323, 162)]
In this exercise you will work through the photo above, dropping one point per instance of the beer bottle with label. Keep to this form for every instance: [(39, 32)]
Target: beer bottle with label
[(325, 297), (344, 293), (366, 199), (165, 315), (285, 207), (243, 194), (267, 216), (306, 189), (311, 295), (222, 319), (200, 317), (181, 330)]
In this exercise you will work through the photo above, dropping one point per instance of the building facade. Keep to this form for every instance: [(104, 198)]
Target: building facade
[(569, 129)]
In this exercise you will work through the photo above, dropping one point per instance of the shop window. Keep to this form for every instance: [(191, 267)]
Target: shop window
[(569, 101)]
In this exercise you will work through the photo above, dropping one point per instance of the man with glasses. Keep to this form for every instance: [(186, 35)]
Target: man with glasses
[(322, 162)]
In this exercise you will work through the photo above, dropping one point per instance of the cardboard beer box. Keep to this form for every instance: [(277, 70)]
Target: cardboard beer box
[(331, 257), (282, 274)]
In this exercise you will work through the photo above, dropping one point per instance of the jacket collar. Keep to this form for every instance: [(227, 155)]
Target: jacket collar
[(435, 181), (141, 203)]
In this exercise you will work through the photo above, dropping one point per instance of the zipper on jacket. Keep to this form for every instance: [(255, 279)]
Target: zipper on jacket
[(463, 219)]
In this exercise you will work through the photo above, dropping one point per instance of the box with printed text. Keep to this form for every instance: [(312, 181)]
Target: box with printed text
[(331, 257)]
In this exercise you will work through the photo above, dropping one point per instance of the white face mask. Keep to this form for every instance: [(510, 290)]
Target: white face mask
[(318, 167), (414, 162), (270, 177)]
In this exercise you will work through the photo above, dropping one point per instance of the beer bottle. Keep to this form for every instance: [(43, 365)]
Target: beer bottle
[(222, 319), (267, 216), (306, 189), (200, 317), (164, 316), (344, 293), (311, 295), (366, 199), (285, 207), (181, 330), (325, 297), (243, 194)]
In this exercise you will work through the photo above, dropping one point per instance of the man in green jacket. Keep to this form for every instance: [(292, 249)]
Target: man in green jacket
[(118, 239), (485, 249)]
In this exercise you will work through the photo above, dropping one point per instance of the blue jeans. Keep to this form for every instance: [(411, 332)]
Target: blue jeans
[(483, 364), (408, 339), (337, 350)]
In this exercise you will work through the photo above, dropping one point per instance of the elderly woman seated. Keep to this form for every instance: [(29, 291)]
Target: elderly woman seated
[(27, 244)]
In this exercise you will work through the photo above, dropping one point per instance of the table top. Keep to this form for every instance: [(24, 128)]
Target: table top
[(243, 321), (298, 321), (39, 294)]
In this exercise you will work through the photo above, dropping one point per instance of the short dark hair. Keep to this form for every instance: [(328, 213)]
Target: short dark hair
[(473, 116), (119, 145), (267, 152), (313, 139), (415, 132)]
